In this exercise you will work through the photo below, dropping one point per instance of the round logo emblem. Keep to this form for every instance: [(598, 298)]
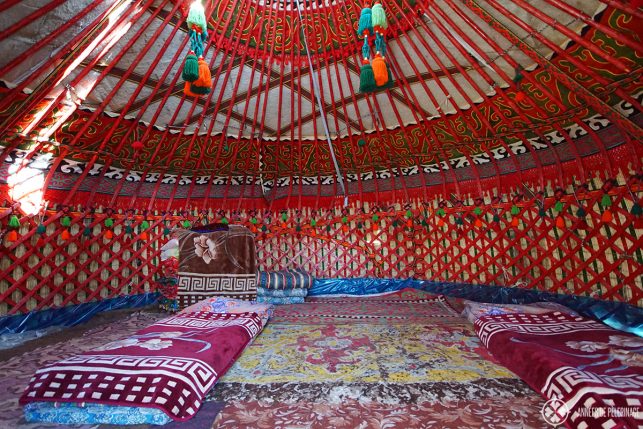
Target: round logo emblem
[(555, 412)]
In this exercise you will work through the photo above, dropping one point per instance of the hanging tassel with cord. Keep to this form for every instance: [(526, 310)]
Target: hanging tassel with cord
[(196, 17), (203, 84), (365, 25), (191, 68), (378, 18), (366, 77), (380, 72)]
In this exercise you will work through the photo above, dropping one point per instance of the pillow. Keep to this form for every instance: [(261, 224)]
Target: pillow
[(170, 249), (474, 310), (219, 304)]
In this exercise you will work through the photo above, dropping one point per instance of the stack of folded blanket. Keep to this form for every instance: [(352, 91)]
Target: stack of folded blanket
[(283, 287)]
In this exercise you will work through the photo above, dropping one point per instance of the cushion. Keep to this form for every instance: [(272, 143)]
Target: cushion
[(474, 310), (218, 304), (285, 279)]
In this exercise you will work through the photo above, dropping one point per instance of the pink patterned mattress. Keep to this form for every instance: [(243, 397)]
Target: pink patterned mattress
[(170, 365)]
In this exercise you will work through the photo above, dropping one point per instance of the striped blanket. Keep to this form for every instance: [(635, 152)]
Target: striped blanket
[(285, 279)]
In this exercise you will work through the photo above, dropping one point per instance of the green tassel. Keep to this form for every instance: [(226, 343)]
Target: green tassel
[(477, 211), (191, 69), (367, 79), (264, 228), (328, 228), (129, 229), (196, 16), (458, 220), (378, 16), (359, 225), (395, 223), (14, 222), (361, 142), (496, 218), (375, 218), (440, 212), (284, 216), (313, 222), (253, 221), (224, 220), (298, 228), (145, 225), (606, 201), (581, 212), (344, 219), (109, 222), (542, 212), (515, 210), (636, 209), (87, 232), (409, 214), (187, 224), (42, 229), (558, 206), (166, 231), (65, 221)]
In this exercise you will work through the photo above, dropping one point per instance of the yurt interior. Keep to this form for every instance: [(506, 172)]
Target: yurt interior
[(360, 214)]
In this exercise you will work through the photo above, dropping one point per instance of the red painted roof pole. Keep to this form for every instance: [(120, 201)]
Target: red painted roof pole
[(579, 90)]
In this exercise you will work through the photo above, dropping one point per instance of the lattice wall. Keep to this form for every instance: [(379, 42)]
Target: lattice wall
[(537, 242)]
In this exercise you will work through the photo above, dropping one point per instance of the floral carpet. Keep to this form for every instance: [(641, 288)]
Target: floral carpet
[(402, 361)]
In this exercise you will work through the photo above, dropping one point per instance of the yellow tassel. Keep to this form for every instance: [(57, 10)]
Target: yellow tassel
[(379, 70)]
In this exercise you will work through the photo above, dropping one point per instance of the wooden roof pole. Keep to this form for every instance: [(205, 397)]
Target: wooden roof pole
[(354, 147), (229, 50), (47, 39), (90, 41), (135, 123), (166, 132), (510, 102), (463, 116), (123, 22), (80, 134), (597, 104), (163, 170), (528, 78), (605, 29)]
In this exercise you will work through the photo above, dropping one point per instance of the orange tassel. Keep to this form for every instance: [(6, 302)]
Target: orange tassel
[(376, 227), (12, 236), (205, 78), (345, 228), (65, 234), (379, 70), (109, 234), (478, 223), (143, 235), (607, 216), (440, 223), (560, 222), (188, 91), (515, 221), (409, 223)]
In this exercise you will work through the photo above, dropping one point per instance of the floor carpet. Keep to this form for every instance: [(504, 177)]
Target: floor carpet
[(401, 361)]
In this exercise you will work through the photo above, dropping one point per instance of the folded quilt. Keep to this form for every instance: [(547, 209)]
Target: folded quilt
[(170, 365), (285, 279), (281, 301), (587, 369), (282, 293)]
